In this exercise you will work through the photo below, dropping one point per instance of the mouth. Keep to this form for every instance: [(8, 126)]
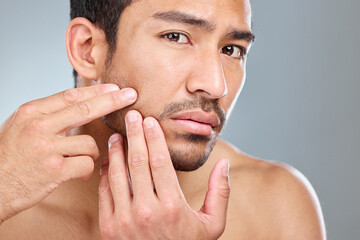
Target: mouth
[(196, 122)]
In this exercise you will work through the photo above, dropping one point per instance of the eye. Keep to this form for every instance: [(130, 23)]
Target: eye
[(234, 51), (176, 37)]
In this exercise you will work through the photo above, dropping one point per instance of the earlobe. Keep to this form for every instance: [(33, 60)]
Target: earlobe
[(86, 48)]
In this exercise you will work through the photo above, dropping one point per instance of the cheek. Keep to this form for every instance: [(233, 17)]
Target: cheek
[(156, 73), (235, 79)]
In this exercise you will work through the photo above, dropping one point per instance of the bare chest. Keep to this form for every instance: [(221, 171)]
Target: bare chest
[(245, 218)]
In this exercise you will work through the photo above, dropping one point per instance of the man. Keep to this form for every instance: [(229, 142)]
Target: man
[(165, 75)]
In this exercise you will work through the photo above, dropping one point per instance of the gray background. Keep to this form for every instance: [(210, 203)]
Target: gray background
[(299, 104)]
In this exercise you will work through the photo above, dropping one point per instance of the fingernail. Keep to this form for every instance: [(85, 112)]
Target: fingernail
[(132, 116), (130, 94), (114, 138), (225, 169), (111, 87), (102, 169), (148, 123)]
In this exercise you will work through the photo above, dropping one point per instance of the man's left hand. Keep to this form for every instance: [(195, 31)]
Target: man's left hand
[(154, 207)]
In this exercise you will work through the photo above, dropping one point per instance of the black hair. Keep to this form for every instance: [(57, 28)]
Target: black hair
[(105, 14)]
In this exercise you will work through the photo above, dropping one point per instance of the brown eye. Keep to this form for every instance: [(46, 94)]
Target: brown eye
[(229, 50), (234, 51), (173, 37), (177, 37)]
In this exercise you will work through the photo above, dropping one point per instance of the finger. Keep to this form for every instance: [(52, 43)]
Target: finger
[(66, 98), (162, 169), (106, 201), (118, 177), (138, 157), (217, 197), (78, 145), (83, 112), (77, 167)]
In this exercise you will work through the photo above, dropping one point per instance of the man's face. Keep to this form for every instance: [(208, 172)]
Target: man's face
[(184, 58)]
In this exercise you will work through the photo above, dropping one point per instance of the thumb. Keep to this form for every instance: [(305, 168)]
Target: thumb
[(217, 197)]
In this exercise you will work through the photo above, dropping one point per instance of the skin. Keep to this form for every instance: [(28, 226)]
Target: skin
[(268, 200), (194, 68)]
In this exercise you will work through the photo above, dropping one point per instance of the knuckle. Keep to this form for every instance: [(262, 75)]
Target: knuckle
[(104, 188), (170, 207), (115, 174), (144, 216), (26, 109), (53, 165), (108, 230), (224, 191), (82, 168), (84, 108), (34, 128), (87, 165), (37, 124), (116, 97), (44, 145), (71, 96), (158, 160), (125, 222), (90, 143), (137, 161)]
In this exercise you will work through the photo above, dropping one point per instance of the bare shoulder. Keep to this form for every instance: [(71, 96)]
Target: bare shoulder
[(271, 196)]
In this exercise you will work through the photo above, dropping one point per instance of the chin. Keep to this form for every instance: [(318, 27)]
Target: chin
[(190, 152)]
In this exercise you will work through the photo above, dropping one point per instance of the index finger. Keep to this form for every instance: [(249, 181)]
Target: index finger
[(84, 112), (162, 169), (71, 96)]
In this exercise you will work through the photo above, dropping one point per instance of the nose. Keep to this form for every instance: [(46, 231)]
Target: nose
[(207, 76)]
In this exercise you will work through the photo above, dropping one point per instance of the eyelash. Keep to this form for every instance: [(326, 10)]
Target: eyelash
[(242, 51), (169, 36)]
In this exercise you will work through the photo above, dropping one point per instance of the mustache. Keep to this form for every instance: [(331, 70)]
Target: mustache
[(207, 105)]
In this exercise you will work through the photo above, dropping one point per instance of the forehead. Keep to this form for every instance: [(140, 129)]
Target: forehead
[(220, 12)]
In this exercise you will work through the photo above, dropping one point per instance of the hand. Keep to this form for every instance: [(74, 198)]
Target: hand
[(36, 156), (155, 210)]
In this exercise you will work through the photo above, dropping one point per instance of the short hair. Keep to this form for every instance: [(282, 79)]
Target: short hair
[(104, 14)]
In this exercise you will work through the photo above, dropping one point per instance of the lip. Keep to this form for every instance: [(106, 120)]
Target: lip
[(196, 121)]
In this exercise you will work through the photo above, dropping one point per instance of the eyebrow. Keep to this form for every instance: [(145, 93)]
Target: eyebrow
[(181, 17), (241, 35)]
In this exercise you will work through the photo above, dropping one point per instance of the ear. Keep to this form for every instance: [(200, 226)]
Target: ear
[(86, 48)]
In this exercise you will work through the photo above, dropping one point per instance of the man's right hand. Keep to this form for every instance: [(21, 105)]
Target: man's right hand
[(36, 155)]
